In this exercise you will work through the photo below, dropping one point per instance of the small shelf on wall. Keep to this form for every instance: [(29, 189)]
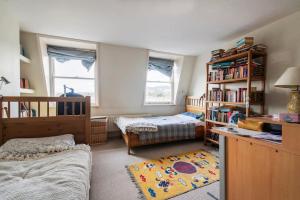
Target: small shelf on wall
[(26, 91), (24, 59)]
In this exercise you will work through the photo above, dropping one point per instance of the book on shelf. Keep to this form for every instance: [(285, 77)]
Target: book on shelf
[(238, 96), (242, 45), (229, 52), (235, 69), (228, 73), (224, 114), (246, 41), (213, 136), (216, 54), (227, 95)]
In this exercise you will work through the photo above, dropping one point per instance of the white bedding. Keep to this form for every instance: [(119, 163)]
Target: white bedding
[(127, 124), (57, 176)]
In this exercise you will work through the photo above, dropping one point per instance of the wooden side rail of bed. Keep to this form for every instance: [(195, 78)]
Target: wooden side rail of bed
[(29, 117), (192, 104)]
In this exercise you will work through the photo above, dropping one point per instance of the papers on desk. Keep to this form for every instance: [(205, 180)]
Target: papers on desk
[(253, 134)]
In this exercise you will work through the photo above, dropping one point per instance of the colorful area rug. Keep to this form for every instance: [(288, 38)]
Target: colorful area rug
[(174, 175)]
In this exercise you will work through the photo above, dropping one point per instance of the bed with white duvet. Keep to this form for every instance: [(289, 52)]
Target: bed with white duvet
[(52, 168)]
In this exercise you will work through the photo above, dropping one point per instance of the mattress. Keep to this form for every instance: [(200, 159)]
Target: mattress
[(58, 176)]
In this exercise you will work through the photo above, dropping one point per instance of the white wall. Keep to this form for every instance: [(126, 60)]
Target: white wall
[(122, 78), (283, 40), (33, 71), (121, 74), (9, 51)]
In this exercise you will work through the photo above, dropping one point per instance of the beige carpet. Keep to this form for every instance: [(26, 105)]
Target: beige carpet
[(110, 180)]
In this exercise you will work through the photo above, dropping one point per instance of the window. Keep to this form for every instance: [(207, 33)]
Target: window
[(73, 74), (160, 81)]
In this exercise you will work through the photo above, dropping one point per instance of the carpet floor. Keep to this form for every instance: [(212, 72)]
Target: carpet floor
[(110, 180)]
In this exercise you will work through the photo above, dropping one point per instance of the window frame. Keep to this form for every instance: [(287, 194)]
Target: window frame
[(172, 82), (53, 77)]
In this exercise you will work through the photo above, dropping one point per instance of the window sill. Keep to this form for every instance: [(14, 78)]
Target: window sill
[(159, 104)]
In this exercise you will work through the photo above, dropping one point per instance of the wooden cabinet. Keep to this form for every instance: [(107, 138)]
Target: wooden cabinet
[(258, 170), (285, 180), (98, 130), (248, 174)]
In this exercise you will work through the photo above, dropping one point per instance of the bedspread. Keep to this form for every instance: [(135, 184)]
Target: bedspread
[(59, 176), (168, 127)]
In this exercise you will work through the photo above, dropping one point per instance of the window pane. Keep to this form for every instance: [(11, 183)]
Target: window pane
[(154, 75), (158, 92), (80, 86), (72, 68)]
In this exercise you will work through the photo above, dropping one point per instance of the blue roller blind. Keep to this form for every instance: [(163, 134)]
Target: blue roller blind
[(165, 66), (63, 54)]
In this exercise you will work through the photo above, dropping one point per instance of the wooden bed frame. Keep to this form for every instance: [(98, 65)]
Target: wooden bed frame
[(47, 122), (192, 104)]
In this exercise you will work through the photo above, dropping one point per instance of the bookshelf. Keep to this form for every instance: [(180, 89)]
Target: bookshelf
[(244, 99)]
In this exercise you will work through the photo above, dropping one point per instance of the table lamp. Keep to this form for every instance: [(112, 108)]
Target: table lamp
[(291, 79)]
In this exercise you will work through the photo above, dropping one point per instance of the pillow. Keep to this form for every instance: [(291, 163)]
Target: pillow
[(35, 145), (199, 116), (251, 125)]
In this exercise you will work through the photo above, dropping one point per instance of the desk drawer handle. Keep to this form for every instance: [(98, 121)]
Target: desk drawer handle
[(251, 143), (276, 151)]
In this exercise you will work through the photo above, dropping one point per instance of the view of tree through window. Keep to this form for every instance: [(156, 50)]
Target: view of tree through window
[(159, 88), (74, 75)]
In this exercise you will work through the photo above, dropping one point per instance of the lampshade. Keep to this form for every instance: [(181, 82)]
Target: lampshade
[(290, 78)]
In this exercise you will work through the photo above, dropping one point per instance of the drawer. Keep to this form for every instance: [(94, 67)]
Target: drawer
[(96, 123), (98, 139), (97, 130)]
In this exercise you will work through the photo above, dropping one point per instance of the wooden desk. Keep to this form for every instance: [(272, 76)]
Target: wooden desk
[(261, 170)]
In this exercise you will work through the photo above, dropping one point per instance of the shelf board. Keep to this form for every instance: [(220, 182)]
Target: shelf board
[(236, 56), (24, 59), (216, 122), (212, 141), (236, 80), (26, 91), (228, 103)]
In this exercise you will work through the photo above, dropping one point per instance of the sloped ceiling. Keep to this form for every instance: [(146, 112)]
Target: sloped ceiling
[(177, 26)]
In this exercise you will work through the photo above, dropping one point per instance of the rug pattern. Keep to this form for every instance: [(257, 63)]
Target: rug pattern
[(174, 175)]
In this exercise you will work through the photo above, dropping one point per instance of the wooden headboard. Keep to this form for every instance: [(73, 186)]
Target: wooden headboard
[(195, 104), (30, 117)]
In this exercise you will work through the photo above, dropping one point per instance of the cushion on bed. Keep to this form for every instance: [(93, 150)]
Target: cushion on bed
[(35, 145), (199, 116)]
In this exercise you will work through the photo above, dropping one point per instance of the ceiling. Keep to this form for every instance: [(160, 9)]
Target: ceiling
[(179, 26)]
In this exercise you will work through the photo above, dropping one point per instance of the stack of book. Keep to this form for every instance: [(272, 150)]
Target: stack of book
[(214, 136), (260, 48), (228, 73), (242, 61), (229, 52), (244, 44), (227, 95), (223, 65), (257, 96), (216, 54), (258, 69)]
